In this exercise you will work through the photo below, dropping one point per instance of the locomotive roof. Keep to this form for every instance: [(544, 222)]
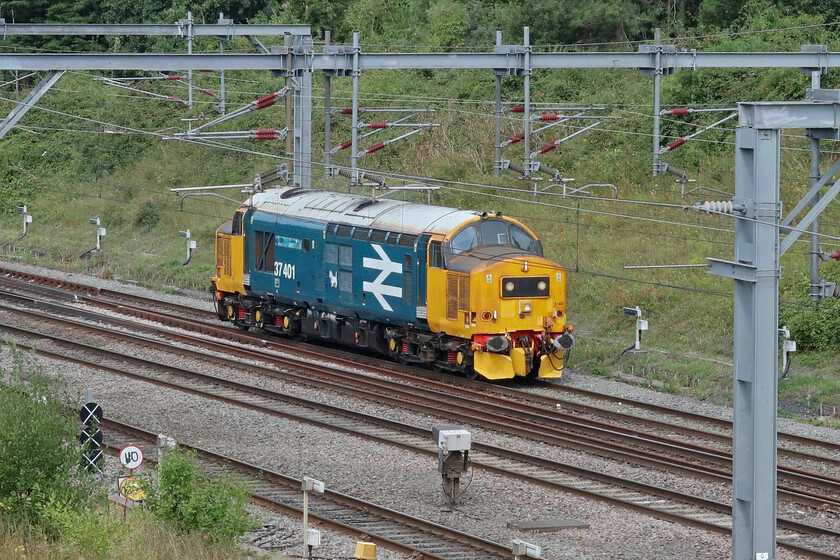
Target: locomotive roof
[(359, 210)]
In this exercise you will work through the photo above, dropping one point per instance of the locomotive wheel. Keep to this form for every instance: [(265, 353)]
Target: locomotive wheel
[(470, 373)]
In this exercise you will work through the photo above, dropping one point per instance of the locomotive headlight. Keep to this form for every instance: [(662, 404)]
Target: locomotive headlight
[(526, 307), (542, 286), (509, 287)]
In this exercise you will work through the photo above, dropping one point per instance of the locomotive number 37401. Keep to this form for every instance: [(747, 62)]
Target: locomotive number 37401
[(284, 270)]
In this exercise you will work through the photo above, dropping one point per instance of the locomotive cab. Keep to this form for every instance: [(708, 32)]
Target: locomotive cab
[(230, 264), (503, 296)]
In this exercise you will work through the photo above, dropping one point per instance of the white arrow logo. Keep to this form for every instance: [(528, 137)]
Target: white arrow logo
[(377, 287)]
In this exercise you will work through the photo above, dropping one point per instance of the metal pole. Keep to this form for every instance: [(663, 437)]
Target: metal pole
[(303, 116), (189, 51), (816, 292), (354, 127), (755, 359), (497, 165), (527, 114), (327, 114), (287, 42), (221, 72), (305, 524), (657, 79)]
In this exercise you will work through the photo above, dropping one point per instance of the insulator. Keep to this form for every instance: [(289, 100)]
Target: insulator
[(516, 167), (377, 125), (175, 99), (206, 70), (835, 255), (208, 92), (550, 170), (373, 177), (265, 134), (345, 145), (681, 173), (266, 103), (676, 144), (174, 77), (546, 148), (549, 117), (517, 109), (266, 100), (345, 173), (348, 111), (716, 207), (517, 138), (679, 111), (376, 148)]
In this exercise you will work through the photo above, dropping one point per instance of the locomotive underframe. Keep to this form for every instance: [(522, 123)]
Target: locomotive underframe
[(403, 344)]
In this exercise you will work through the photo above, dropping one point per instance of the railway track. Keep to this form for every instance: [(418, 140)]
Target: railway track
[(205, 322), (534, 422), (332, 510), (714, 430), (657, 502)]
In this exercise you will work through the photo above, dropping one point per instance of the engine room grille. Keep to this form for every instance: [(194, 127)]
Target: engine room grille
[(223, 253), (457, 294)]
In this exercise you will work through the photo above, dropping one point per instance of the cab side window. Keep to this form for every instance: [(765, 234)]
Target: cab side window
[(236, 228), (435, 255)]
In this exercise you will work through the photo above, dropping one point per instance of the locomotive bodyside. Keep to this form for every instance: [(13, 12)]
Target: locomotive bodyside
[(394, 277)]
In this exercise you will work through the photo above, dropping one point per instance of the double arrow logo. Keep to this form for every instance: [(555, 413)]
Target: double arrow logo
[(378, 287)]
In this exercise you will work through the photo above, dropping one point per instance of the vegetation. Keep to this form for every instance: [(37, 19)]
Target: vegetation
[(50, 508), (69, 170), (180, 495)]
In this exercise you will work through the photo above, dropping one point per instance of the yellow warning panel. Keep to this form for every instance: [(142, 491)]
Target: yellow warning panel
[(551, 365), (365, 551), (131, 488), (493, 366)]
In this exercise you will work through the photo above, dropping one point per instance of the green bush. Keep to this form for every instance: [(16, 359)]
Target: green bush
[(41, 484), (180, 495), (39, 453)]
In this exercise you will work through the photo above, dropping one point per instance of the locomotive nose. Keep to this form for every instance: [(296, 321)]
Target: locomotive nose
[(564, 341)]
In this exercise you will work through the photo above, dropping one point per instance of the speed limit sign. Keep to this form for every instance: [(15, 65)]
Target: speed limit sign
[(131, 457)]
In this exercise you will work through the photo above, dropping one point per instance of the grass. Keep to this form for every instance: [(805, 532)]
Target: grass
[(125, 180), (142, 538)]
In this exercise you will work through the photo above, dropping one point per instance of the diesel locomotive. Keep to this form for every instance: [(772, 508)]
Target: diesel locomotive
[(464, 291)]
